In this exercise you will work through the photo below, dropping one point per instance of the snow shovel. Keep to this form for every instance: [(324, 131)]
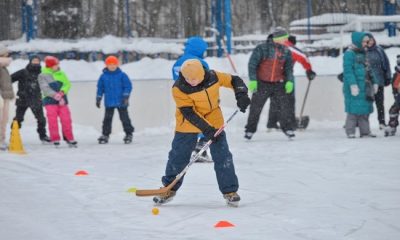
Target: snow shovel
[(303, 121)]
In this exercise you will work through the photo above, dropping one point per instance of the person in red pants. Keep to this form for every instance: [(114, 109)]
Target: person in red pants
[(55, 86)]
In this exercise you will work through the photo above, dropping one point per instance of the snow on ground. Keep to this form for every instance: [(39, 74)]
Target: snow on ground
[(319, 186)]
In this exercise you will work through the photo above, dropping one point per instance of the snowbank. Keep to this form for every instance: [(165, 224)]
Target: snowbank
[(147, 68)]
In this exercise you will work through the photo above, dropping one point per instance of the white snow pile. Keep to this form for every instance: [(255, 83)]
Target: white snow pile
[(107, 44)]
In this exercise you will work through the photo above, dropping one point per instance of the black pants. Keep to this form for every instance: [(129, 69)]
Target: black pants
[(123, 116), (39, 115), (394, 115), (275, 91), (380, 107), (273, 114)]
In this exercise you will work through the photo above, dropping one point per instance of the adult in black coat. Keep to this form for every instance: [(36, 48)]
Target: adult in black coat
[(29, 95)]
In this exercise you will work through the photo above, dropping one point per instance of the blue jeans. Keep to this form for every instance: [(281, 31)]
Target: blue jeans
[(179, 156)]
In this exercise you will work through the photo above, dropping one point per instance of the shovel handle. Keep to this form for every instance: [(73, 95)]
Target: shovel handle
[(305, 99)]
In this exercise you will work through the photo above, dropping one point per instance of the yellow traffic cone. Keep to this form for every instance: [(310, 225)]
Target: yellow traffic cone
[(16, 145)]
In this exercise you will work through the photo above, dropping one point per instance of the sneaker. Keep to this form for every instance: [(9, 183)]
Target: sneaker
[(289, 133), (232, 199), (162, 199), (56, 143), (128, 138), (390, 131), (351, 135), (382, 126), (248, 135), (45, 140), (369, 135), (103, 139)]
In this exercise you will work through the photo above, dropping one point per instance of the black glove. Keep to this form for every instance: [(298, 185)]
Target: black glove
[(125, 101), (209, 134), (311, 74), (243, 101), (98, 101)]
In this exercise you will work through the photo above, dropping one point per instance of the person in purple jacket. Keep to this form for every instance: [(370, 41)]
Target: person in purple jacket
[(116, 87)]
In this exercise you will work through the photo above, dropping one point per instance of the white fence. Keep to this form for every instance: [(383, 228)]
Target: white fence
[(152, 106)]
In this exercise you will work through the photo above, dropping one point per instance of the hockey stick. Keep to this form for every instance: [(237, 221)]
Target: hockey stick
[(165, 190)]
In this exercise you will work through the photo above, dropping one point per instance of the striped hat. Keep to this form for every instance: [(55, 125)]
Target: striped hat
[(280, 33)]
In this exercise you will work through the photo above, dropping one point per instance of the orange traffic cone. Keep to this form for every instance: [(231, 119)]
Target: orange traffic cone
[(81, 173), (223, 224), (16, 145)]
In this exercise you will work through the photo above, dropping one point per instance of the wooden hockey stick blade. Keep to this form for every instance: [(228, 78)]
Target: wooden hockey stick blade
[(155, 192)]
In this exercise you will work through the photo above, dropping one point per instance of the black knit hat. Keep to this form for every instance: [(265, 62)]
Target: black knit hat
[(34, 56), (280, 33)]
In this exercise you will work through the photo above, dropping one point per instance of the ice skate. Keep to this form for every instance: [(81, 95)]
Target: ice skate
[(390, 131), (72, 144), (289, 133), (103, 139), (128, 138), (162, 199), (248, 135), (232, 199), (45, 140)]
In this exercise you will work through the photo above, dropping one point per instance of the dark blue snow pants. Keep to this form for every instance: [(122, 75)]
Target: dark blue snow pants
[(179, 156)]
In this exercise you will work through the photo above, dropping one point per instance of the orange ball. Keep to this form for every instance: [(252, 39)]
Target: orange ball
[(155, 211)]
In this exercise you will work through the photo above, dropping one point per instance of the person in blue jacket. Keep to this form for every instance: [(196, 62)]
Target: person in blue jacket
[(358, 97), (195, 47), (116, 87)]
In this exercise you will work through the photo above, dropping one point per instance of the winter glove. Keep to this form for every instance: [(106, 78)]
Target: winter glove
[(253, 85), (311, 74), (125, 101), (98, 102), (354, 90), (376, 88), (61, 102), (58, 96), (289, 86), (243, 101), (209, 134)]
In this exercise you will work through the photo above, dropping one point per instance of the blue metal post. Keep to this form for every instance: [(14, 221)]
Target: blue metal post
[(389, 8), (23, 12), (228, 25), (29, 21), (128, 19), (309, 20), (219, 27), (213, 10), (35, 19)]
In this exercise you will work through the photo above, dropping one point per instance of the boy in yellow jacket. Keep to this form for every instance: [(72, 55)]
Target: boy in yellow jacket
[(196, 94)]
